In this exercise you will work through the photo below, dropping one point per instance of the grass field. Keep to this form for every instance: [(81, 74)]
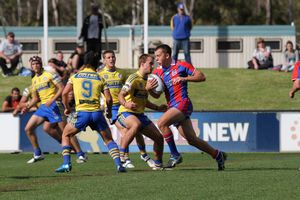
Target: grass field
[(247, 176), (225, 89)]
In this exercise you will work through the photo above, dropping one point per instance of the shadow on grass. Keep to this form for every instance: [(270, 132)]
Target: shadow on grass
[(241, 169), (3, 190)]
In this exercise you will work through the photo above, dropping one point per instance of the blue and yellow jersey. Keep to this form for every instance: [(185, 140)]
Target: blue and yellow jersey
[(87, 88), (135, 86), (45, 85), (114, 81)]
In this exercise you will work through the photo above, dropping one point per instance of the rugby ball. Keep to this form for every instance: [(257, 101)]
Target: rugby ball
[(160, 84)]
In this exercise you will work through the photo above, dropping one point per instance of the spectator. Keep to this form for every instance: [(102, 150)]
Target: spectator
[(181, 25), (262, 57), (12, 101), (55, 67), (91, 30), (291, 56), (76, 60), (10, 52), (60, 59), (25, 99)]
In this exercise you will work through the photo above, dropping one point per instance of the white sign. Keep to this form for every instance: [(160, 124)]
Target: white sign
[(225, 132), (289, 132), (9, 132)]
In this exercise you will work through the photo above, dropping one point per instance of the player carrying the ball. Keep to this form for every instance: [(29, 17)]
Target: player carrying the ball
[(175, 77), (134, 99)]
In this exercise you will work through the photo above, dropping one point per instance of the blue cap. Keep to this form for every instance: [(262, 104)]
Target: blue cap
[(180, 6)]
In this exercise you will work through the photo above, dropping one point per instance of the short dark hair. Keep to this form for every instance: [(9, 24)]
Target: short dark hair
[(143, 58), (108, 51), (91, 59), (53, 60), (11, 34), (15, 89), (166, 48)]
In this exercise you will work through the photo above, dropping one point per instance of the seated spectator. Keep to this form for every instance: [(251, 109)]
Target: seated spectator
[(12, 101), (26, 97), (291, 56), (10, 52), (76, 59), (262, 57), (60, 59)]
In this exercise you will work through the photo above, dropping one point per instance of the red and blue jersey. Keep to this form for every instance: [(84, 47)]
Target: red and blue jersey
[(296, 71), (175, 93)]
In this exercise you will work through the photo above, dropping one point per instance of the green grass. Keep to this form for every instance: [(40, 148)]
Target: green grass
[(247, 176), (224, 89)]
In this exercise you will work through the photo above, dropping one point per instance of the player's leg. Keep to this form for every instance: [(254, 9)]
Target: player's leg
[(127, 163), (153, 133), (30, 127), (69, 132), (132, 125), (52, 130), (142, 147), (99, 123), (186, 129), (170, 117)]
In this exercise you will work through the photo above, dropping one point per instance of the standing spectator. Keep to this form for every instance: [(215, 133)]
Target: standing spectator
[(181, 25), (10, 52), (262, 58), (75, 61), (12, 101), (91, 30)]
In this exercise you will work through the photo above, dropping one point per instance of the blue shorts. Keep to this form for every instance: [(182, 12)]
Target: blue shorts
[(53, 113), (145, 121), (114, 113), (95, 120)]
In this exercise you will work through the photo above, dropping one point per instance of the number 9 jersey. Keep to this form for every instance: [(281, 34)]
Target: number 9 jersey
[(87, 88)]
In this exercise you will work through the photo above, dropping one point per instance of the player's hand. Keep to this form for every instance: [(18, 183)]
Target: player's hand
[(178, 80), (15, 112), (162, 108), (130, 105), (24, 110), (67, 112), (48, 103), (151, 84), (291, 94)]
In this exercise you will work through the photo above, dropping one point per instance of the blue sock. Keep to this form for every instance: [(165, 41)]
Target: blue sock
[(171, 143), (66, 154), (37, 151), (80, 153), (157, 162), (142, 149), (114, 152)]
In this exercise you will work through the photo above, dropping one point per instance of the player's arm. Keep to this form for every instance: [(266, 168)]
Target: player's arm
[(123, 93), (35, 99), (65, 98), (108, 101), (295, 88), (153, 106), (60, 88), (197, 76), (21, 105)]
